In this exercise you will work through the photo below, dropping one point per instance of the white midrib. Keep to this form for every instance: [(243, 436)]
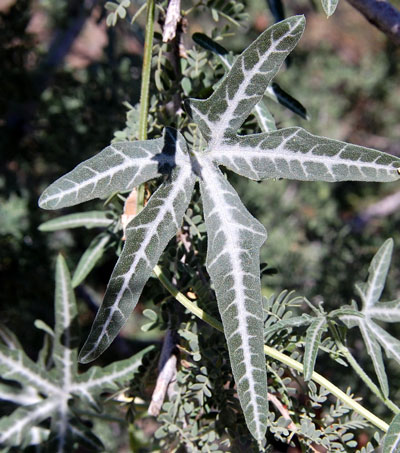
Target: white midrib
[(140, 253), (247, 152), (66, 351), (219, 128), (369, 297), (233, 245)]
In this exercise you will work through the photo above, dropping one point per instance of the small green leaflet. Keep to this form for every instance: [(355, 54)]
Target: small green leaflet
[(53, 392), (391, 443), (375, 337), (329, 6), (234, 236)]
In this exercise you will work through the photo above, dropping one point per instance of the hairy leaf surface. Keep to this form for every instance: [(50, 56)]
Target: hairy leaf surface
[(226, 109), (293, 153), (119, 167), (234, 241)]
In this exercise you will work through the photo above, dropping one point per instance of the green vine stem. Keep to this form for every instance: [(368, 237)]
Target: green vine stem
[(271, 352), (144, 89)]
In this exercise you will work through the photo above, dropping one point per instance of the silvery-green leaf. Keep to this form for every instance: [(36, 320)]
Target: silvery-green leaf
[(90, 384), (386, 311), (371, 291), (90, 258), (234, 241), (375, 352), (329, 6), (90, 219), (273, 91), (391, 442), (66, 333), (312, 342), (119, 167), (15, 428), (15, 365), (147, 235), (293, 153), (390, 344), (225, 110)]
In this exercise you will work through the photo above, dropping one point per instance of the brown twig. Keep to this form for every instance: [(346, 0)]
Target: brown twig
[(167, 375), (382, 14)]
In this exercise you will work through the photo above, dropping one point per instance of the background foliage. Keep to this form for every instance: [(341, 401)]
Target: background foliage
[(62, 103)]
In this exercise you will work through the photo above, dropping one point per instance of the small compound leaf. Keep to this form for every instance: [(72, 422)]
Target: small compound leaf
[(66, 332), (375, 352), (293, 153), (234, 241), (391, 442), (15, 429), (312, 342), (119, 167), (90, 219), (329, 6), (240, 91), (295, 321), (147, 235), (90, 258), (371, 291)]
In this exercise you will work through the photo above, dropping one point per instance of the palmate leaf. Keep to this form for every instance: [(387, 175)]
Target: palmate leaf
[(374, 336), (234, 236), (45, 394)]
